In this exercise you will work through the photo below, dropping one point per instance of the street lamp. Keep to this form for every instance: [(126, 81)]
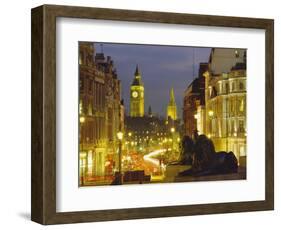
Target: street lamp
[(120, 137), (82, 120), (173, 137), (211, 113)]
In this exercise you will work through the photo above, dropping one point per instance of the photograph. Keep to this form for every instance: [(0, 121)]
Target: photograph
[(159, 114)]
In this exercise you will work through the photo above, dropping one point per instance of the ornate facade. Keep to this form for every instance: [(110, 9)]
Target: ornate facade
[(215, 102), (223, 118), (100, 112), (226, 122)]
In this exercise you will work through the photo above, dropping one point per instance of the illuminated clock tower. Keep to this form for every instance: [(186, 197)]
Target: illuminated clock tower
[(137, 96)]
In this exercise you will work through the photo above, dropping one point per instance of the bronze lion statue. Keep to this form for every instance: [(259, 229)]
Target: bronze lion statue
[(206, 161)]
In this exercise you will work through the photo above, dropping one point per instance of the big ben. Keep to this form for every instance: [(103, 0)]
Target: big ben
[(137, 96)]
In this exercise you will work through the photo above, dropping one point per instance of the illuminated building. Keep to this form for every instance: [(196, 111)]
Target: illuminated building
[(101, 109), (145, 132), (225, 102), (215, 102), (137, 96), (194, 97), (172, 107)]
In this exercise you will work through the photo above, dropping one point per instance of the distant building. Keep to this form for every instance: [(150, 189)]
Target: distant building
[(172, 107), (137, 96), (145, 132), (101, 109), (194, 98)]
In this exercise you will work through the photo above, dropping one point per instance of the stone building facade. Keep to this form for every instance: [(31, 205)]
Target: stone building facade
[(223, 117), (226, 122), (100, 112), (215, 102)]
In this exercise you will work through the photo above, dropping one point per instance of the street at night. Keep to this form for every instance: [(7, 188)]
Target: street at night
[(147, 118)]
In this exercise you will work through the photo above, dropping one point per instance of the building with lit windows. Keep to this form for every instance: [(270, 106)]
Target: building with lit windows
[(223, 118), (144, 133), (100, 112)]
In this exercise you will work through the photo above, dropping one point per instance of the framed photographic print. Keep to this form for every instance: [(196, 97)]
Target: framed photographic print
[(137, 114)]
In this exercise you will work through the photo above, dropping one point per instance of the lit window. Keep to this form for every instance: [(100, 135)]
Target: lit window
[(241, 107)]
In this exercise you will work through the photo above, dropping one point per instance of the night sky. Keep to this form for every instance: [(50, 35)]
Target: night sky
[(161, 67)]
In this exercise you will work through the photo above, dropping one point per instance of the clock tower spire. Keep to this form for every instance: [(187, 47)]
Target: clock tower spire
[(137, 96)]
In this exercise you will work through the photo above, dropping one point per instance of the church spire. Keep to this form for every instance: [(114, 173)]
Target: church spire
[(149, 111), (172, 106), (172, 97)]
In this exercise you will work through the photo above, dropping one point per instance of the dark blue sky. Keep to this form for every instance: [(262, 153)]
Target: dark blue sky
[(161, 67)]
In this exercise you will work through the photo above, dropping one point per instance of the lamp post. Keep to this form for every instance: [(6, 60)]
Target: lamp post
[(129, 139), (120, 137), (81, 120), (173, 131)]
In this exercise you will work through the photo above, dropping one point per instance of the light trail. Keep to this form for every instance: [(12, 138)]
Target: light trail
[(149, 157)]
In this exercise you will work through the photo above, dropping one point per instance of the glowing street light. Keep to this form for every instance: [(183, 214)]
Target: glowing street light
[(82, 119), (211, 113), (120, 137), (172, 140)]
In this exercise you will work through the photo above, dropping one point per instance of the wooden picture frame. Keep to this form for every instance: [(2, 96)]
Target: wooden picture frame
[(43, 188)]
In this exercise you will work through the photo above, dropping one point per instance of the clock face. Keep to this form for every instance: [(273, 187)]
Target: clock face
[(141, 94), (135, 94)]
